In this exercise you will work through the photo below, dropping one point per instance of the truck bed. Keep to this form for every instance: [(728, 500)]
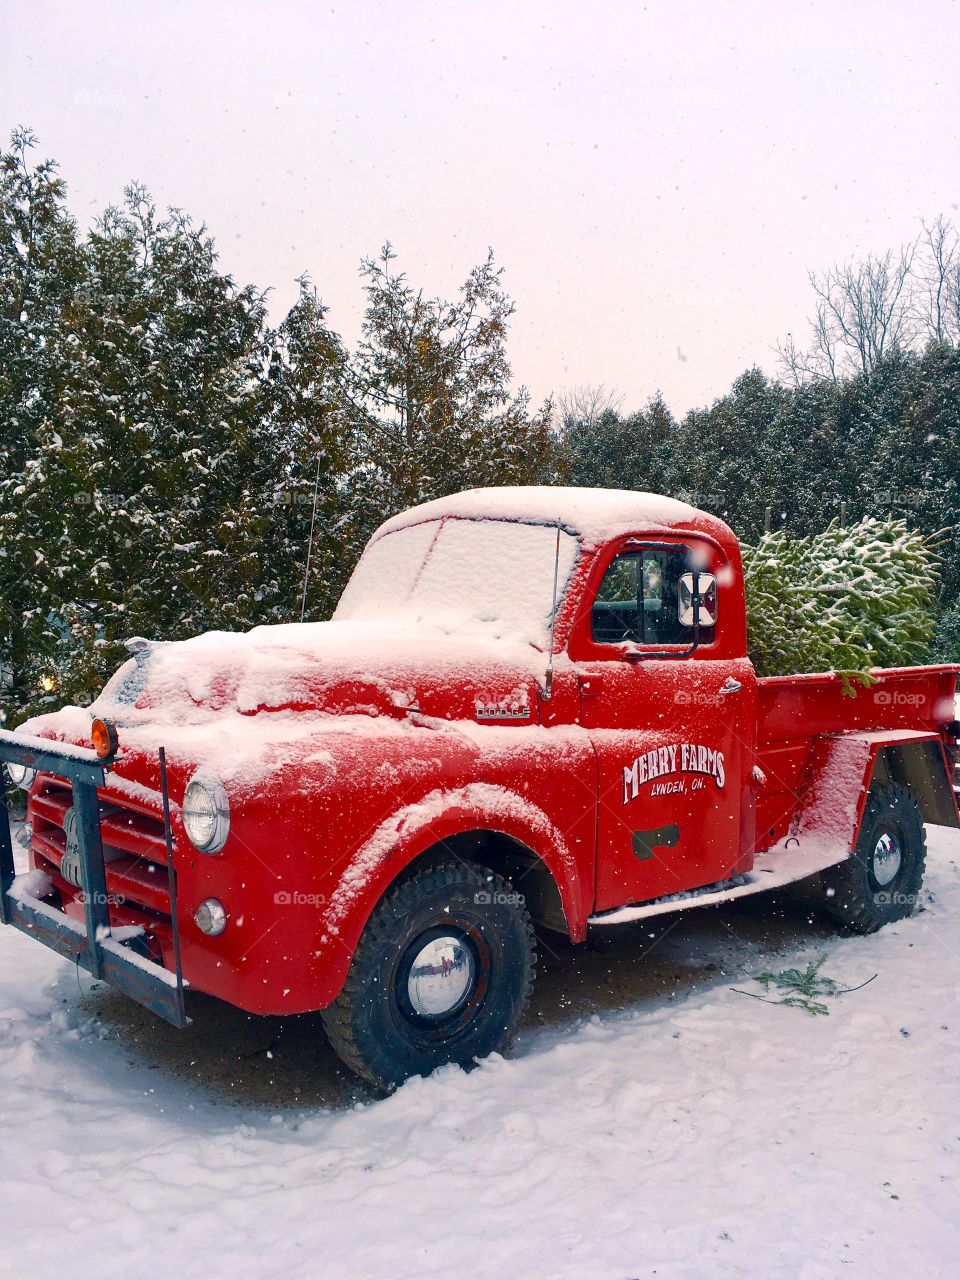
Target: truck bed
[(794, 713)]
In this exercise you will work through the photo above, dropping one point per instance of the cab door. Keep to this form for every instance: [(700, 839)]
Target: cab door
[(671, 715)]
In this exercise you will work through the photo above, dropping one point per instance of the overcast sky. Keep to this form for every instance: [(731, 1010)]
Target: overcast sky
[(656, 178)]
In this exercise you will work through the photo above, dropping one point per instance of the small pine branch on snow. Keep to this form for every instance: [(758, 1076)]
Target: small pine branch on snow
[(844, 600), (802, 988)]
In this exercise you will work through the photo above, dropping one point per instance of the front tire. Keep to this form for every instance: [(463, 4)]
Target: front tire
[(880, 882), (443, 973)]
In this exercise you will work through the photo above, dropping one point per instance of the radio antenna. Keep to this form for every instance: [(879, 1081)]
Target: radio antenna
[(313, 521), (548, 680)]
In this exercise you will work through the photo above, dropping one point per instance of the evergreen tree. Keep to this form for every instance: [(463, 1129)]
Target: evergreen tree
[(912, 469), (306, 450), (430, 398), (40, 274), (133, 510), (945, 646), (165, 454), (725, 458), (845, 600), (612, 451)]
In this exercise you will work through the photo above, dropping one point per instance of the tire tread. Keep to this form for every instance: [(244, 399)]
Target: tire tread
[(339, 1018), (848, 904)]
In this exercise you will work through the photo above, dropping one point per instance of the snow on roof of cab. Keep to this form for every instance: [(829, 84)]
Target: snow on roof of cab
[(596, 514)]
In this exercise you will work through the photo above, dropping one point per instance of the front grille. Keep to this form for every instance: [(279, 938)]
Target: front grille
[(134, 851)]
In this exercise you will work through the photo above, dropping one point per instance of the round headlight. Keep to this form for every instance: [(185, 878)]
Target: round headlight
[(21, 776), (210, 917), (206, 814)]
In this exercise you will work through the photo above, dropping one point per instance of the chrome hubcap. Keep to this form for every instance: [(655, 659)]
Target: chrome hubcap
[(886, 859), (440, 977)]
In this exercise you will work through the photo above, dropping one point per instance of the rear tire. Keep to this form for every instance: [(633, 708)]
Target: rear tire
[(443, 973), (880, 882)]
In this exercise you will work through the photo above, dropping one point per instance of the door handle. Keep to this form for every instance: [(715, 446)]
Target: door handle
[(591, 686), (730, 686)]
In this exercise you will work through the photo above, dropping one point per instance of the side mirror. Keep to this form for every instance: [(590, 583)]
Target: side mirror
[(707, 584)]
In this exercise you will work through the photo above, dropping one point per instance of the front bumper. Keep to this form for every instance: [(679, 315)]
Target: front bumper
[(89, 944)]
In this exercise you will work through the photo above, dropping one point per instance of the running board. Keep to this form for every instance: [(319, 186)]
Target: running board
[(779, 866)]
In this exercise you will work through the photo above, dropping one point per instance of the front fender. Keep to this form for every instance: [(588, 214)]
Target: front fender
[(410, 832)]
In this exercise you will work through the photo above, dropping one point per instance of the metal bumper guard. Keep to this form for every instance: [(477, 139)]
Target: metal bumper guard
[(89, 945)]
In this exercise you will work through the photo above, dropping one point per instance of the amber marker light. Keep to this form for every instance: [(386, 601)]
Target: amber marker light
[(104, 735)]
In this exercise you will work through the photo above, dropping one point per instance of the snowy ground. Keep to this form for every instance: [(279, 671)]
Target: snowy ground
[(653, 1121)]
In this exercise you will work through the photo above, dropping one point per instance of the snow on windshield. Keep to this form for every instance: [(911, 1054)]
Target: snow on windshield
[(490, 575)]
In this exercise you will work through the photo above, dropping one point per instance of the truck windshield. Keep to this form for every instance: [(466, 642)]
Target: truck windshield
[(489, 575)]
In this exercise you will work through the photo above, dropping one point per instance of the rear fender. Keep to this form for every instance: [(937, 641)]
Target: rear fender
[(411, 832), (842, 770)]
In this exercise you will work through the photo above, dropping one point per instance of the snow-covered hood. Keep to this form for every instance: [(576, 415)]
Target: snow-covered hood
[(330, 667), (245, 704)]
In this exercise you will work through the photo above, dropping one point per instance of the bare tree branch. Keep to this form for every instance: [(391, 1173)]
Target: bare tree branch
[(585, 405)]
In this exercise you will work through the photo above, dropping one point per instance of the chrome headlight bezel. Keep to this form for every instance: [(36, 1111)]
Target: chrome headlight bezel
[(211, 917), (211, 807)]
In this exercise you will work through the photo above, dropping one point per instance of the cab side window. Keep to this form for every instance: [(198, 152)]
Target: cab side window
[(638, 599)]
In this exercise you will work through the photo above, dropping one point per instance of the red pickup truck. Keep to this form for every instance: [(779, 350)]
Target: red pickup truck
[(531, 707)]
